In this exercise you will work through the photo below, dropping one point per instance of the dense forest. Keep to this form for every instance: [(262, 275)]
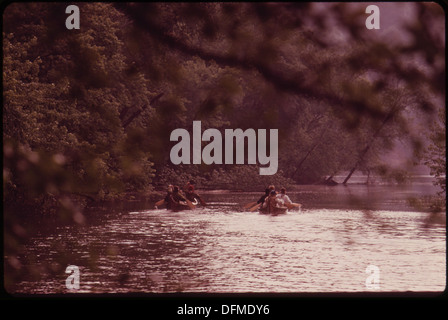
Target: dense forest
[(89, 112)]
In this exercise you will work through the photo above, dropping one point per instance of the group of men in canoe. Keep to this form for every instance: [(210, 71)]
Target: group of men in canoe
[(177, 198), (272, 201)]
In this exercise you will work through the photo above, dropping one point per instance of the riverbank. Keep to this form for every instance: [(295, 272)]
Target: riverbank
[(419, 196), (409, 197)]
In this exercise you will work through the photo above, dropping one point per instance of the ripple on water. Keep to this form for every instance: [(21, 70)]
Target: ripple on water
[(216, 250)]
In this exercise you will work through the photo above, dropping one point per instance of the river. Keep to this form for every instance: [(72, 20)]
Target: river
[(332, 244)]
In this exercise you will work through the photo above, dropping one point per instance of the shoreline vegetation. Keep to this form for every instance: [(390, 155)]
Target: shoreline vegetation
[(64, 206), (43, 186), (88, 113)]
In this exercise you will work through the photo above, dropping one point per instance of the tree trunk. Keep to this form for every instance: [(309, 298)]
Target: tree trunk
[(368, 176), (305, 157), (138, 112), (361, 159), (309, 151), (350, 174), (369, 144)]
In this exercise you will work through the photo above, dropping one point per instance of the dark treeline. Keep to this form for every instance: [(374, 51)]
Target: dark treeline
[(90, 111)]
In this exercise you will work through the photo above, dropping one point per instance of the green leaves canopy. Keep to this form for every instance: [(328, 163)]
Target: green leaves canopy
[(312, 70)]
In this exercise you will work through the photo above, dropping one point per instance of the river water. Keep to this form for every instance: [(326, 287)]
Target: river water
[(331, 245)]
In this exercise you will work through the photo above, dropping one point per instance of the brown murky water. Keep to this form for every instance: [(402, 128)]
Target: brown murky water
[(325, 247)]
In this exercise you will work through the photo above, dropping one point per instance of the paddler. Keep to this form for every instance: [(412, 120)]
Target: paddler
[(283, 197), (272, 201), (168, 200), (176, 196), (191, 194), (263, 197)]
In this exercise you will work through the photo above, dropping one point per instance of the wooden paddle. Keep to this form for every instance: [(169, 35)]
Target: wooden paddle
[(190, 204), (292, 205), (159, 203), (250, 205), (255, 207)]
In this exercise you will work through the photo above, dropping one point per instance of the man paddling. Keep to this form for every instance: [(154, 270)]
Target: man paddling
[(256, 205), (191, 194), (284, 197), (263, 197), (272, 202), (169, 192), (286, 201)]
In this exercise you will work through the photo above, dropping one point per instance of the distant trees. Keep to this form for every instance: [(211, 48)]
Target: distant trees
[(272, 54)]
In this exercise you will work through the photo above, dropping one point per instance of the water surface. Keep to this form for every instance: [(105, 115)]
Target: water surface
[(325, 247)]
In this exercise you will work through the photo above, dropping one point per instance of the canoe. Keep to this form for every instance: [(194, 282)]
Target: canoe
[(277, 210), (182, 205)]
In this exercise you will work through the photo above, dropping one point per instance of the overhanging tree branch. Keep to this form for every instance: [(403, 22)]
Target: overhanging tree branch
[(291, 83), (127, 122)]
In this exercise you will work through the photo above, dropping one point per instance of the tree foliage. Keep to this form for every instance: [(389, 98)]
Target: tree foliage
[(70, 97), (435, 158), (106, 97), (89, 112)]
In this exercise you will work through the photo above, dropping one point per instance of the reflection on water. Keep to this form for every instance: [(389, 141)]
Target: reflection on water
[(220, 248)]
